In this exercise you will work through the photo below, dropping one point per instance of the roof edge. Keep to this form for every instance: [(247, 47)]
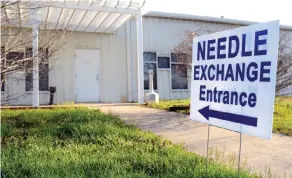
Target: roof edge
[(205, 18)]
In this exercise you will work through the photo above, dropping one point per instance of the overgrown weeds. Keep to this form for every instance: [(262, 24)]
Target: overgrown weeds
[(230, 159), (87, 143), (283, 115)]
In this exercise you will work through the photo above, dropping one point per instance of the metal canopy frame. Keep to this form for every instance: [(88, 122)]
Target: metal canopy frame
[(72, 15), (103, 16)]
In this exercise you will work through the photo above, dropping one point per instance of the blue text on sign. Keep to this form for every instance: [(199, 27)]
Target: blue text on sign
[(229, 47), (209, 46)]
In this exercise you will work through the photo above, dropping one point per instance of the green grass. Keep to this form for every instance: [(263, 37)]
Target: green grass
[(283, 115), (166, 104), (282, 112), (86, 143)]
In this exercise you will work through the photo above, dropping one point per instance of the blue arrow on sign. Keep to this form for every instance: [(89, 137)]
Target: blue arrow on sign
[(236, 118)]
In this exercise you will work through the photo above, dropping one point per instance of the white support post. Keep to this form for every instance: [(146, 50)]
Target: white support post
[(151, 86), (140, 68), (129, 64), (35, 46), (151, 96)]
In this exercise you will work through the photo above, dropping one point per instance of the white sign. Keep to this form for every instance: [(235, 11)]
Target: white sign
[(234, 78)]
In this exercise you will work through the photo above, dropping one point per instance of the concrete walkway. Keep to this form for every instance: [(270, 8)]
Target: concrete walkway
[(275, 154)]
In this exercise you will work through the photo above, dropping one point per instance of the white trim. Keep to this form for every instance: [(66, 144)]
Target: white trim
[(80, 20), (179, 90), (70, 19), (129, 63), (19, 15), (131, 9), (72, 5), (59, 18), (47, 16), (140, 61), (105, 18), (117, 17), (40, 92), (35, 49), (163, 69), (90, 22), (110, 25), (146, 91), (205, 18)]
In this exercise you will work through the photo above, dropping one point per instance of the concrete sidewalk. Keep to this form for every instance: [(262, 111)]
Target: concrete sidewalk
[(275, 153)]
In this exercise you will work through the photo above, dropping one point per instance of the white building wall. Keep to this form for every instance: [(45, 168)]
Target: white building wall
[(112, 77), (118, 70), (162, 35), (113, 70)]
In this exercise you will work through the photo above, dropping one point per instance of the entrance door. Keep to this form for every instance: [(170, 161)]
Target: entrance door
[(87, 75)]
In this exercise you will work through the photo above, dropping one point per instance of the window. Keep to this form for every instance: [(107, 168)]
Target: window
[(2, 64), (43, 71), (173, 57), (150, 63), (2, 82), (163, 62), (180, 58), (15, 58), (179, 76)]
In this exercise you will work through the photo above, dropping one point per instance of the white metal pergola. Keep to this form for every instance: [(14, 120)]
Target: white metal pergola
[(101, 16)]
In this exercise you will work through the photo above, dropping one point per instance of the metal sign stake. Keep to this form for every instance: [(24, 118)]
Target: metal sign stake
[(208, 148), (239, 155)]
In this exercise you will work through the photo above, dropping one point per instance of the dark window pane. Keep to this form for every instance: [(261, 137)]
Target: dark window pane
[(15, 59), (180, 57), (28, 52), (44, 77), (43, 54), (2, 82), (147, 67), (149, 56), (14, 56), (163, 62), (2, 52), (29, 62), (173, 57), (43, 71), (28, 81), (179, 78), (2, 64)]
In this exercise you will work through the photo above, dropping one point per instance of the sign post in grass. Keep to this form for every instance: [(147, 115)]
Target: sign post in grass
[(234, 80)]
